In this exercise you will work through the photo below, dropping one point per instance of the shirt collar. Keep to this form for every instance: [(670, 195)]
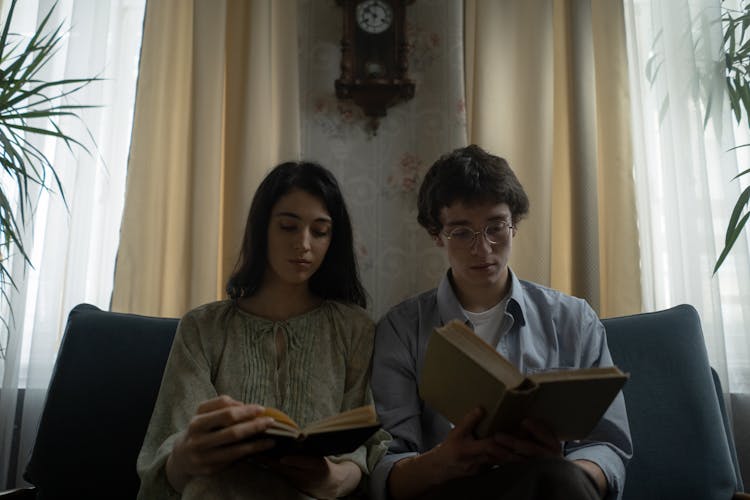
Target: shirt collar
[(517, 302), (450, 308)]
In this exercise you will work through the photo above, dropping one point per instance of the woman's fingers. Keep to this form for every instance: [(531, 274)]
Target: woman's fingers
[(223, 417), (217, 403), (230, 453), (230, 434)]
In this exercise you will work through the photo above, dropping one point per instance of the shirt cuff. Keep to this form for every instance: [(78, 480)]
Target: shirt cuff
[(609, 462), (379, 476)]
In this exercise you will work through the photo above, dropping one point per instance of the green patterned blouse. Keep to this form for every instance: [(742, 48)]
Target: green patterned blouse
[(318, 366)]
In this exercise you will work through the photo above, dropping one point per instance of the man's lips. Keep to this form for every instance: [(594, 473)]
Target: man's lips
[(484, 265)]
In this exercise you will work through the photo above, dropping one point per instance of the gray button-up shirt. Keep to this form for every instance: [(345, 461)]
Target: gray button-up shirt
[(543, 330)]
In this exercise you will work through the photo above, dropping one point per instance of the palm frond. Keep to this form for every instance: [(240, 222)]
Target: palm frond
[(31, 108), (736, 27)]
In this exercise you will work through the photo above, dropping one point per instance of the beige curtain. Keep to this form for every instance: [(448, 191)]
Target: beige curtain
[(216, 108), (547, 88)]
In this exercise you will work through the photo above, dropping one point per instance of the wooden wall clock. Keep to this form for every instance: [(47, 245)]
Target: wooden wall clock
[(374, 56)]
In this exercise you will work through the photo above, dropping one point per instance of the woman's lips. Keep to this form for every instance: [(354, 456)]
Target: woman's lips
[(301, 262)]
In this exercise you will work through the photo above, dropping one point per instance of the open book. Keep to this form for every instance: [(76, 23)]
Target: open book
[(461, 372), (334, 435)]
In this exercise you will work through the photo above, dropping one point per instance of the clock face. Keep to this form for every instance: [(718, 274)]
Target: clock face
[(374, 16)]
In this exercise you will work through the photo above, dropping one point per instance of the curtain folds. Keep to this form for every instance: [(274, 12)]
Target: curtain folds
[(547, 89), (683, 137), (72, 243), (216, 108)]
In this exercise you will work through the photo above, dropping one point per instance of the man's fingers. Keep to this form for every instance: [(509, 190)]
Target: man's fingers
[(541, 433), (525, 447), (469, 422)]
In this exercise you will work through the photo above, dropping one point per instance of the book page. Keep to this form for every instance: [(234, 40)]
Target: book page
[(571, 402), (461, 372), (481, 352), (280, 417), (577, 374), (364, 416), (283, 424)]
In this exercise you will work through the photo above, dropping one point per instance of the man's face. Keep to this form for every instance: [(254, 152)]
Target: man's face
[(477, 264)]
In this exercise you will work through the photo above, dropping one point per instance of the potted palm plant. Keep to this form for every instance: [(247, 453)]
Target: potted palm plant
[(30, 107), (736, 27)]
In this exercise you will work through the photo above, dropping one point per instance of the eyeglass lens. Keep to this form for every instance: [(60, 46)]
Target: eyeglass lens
[(493, 233)]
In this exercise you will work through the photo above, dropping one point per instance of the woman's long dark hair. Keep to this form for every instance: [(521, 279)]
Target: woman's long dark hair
[(338, 275)]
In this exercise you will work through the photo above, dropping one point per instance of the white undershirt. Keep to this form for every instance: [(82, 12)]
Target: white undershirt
[(488, 324)]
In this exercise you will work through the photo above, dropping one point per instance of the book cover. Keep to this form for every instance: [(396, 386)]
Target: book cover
[(334, 435), (461, 372)]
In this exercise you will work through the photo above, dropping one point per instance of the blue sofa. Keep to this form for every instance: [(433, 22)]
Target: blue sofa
[(109, 367)]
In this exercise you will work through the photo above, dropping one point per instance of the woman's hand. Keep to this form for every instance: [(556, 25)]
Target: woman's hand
[(216, 436), (318, 476)]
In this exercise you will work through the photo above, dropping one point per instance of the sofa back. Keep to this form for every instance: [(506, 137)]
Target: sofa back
[(109, 368), (682, 444), (101, 395)]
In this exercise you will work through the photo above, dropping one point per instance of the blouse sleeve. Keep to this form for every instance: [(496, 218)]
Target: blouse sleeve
[(357, 388), (185, 384)]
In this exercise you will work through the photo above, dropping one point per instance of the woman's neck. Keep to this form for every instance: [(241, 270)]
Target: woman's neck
[(279, 303)]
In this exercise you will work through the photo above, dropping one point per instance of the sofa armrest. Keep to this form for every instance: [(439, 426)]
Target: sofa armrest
[(741, 496), (19, 494)]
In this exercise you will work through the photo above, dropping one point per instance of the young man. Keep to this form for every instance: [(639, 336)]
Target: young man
[(471, 202)]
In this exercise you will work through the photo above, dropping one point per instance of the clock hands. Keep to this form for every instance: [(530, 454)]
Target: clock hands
[(374, 15)]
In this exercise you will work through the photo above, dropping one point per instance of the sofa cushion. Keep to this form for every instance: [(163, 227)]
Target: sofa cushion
[(100, 398)]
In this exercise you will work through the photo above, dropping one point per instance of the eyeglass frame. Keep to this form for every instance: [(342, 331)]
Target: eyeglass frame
[(508, 226)]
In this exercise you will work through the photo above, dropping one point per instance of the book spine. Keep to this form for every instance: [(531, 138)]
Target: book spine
[(511, 410)]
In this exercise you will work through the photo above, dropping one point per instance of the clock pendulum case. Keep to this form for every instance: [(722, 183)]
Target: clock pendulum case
[(374, 56)]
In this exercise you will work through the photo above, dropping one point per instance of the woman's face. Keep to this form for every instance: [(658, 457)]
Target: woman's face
[(299, 233)]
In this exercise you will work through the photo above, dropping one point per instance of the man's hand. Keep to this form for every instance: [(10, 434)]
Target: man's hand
[(318, 476), (217, 436), (537, 441), (595, 473), (460, 455)]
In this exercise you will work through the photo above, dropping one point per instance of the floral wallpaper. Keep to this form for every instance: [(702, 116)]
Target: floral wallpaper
[(381, 173)]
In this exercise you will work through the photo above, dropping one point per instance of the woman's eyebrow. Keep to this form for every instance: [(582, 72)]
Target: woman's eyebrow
[(296, 216), (287, 214)]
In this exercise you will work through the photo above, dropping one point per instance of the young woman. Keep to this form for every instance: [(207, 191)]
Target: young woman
[(293, 336)]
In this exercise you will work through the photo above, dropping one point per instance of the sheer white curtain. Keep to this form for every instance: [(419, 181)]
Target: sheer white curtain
[(683, 136), (72, 248)]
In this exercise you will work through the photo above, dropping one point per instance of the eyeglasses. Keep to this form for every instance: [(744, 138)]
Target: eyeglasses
[(494, 233)]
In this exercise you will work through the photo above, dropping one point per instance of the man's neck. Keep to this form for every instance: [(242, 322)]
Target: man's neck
[(478, 299)]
